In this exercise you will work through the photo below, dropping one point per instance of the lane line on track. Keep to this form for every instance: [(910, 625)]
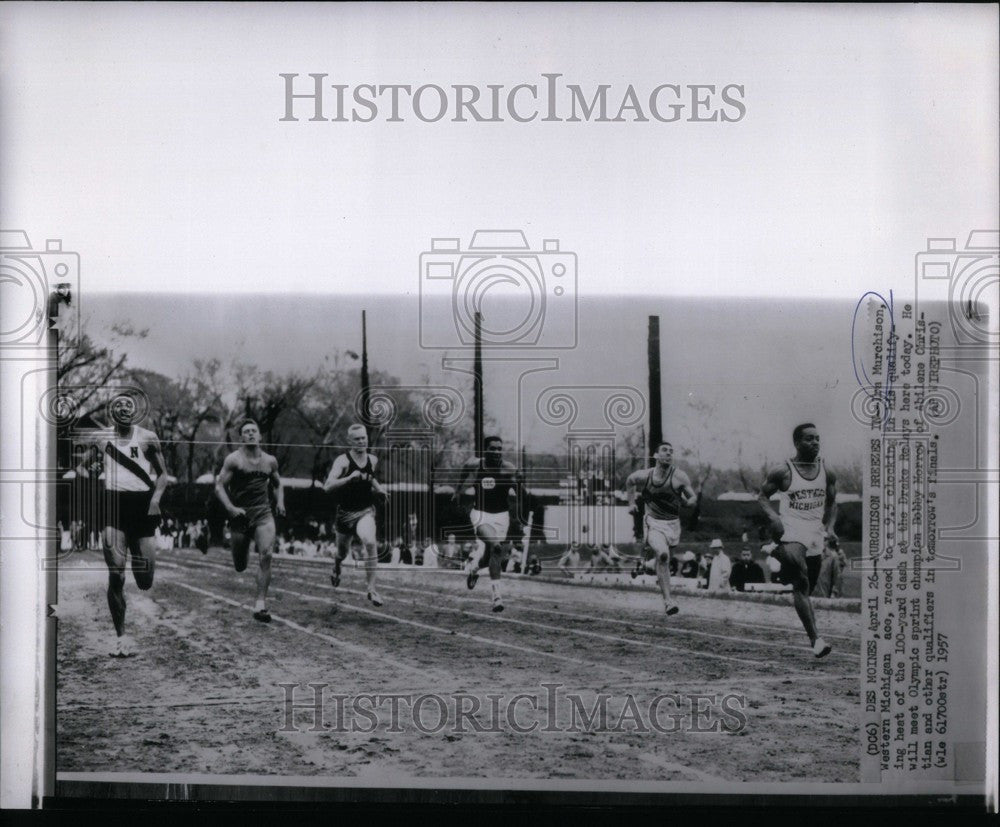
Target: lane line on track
[(550, 628), (671, 629), (450, 632), (547, 627), (417, 624), (350, 647), (323, 566), (680, 595)]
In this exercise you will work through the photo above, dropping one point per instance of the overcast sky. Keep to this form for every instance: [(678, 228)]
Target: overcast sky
[(762, 366), (149, 139)]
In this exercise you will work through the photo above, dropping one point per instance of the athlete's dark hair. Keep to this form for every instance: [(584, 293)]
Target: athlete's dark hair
[(797, 433), (658, 447), (245, 422), (489, 439)]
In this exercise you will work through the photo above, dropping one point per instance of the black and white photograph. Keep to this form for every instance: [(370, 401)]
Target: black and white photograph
[(568, 404)]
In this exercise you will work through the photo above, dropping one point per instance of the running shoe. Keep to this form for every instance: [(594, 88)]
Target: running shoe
[(122, 647), (263, 615), (497, 603), (375, 598), (472, 579), (672, 609), (821, 648), (335, 577)]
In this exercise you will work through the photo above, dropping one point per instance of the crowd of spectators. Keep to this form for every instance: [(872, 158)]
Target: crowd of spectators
[(717, 572)]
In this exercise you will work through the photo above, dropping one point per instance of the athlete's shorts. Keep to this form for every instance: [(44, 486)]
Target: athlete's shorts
[(128, 511), (812, 548), (794, 564), (497, 522), (670, 529), (346, 522), (256, 515)]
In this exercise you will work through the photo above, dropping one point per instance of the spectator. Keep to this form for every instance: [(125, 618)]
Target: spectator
[(570, 561), (411, 534), (431, 554), (410, 554), (838, 583), (396, 552), (745, 570), (689, 565), (829, 571), (719, 568), (452, 552), (606, 558), (705, 562)]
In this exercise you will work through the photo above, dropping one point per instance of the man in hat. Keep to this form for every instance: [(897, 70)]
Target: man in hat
[(720, 568)]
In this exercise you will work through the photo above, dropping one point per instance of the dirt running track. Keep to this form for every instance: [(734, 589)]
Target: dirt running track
[(203, 695)]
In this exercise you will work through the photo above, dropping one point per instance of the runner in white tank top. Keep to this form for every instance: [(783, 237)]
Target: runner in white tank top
[(803, 507), (126, 464), (135, 477), (808, 495)]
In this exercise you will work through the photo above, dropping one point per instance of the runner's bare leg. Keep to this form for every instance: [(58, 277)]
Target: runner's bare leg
[(143, 561), (661, 556), (115, 553), (264, 538), (240, 548), (367, 536)]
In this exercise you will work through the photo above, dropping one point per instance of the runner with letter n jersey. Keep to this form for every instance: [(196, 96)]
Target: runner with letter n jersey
[(129, 480), (802, 510)]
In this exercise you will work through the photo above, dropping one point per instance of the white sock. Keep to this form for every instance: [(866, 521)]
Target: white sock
[(258, 606), (495, 587)]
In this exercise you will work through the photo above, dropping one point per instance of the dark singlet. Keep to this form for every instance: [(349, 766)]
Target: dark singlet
[(249, 489), (492, 485), (358, 494), (662, 500)]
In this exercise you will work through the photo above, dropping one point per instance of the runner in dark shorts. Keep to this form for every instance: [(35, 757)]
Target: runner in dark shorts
[(353, 483), (132, 458), (243, 487)]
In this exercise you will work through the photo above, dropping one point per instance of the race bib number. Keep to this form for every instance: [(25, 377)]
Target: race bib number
[(489, 483)]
